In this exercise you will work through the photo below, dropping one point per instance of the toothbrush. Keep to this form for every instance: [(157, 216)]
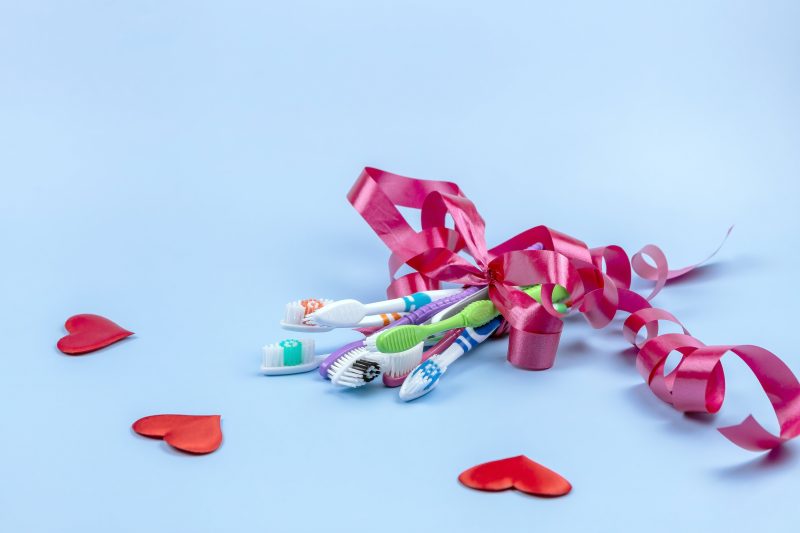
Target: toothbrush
[(415, 317), (476, 314), (290, 356), (298, 316), (349, 313), (426, 376)]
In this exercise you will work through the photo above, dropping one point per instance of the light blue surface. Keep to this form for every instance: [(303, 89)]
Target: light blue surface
[(181, 167)]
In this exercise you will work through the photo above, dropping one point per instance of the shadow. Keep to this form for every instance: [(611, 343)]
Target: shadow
[(701, 273), (625, 359), (650, 404), (775, 460), (705, 419), (353, 394), (166, 448), (572, 353), (717, 268), (98, 350)]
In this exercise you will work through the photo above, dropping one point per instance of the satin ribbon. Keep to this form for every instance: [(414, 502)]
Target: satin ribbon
[(598, 280)]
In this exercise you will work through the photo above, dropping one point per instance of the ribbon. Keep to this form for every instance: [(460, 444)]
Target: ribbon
[(598, 280)]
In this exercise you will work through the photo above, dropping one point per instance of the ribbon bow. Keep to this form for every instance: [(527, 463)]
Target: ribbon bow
[(541, 255)]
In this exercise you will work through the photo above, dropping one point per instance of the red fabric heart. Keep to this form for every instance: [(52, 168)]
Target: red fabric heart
[(516, 473), (188, 433), (88, 333)]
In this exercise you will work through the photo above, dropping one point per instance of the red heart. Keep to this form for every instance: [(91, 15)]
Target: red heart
[(88, 333), (515, 473), (189, 433)]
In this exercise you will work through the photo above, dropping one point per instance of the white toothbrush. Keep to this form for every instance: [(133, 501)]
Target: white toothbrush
[(298, 317), (350, 313), (290, 356), (426, 376)]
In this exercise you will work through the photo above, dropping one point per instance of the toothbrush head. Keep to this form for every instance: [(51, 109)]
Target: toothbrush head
[(400, 338), (289, 356), (422, 380), (397, 366), (297, 315), (479, 313), (355, 368), (338, 314)]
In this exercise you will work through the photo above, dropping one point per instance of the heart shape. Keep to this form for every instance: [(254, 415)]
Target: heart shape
[(88, 333), (516, 473), (188, 433)]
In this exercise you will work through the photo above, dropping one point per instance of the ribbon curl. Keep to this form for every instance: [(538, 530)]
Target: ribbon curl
[(597, 279)]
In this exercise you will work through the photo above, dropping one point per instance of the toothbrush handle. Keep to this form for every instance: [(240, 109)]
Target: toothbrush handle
[(456, 321), (396, 305), (466, 341), (426, 312), (443, 344), (412, 302), (383, 319)]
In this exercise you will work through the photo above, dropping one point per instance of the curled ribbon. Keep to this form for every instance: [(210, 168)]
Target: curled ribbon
[(598, 280)]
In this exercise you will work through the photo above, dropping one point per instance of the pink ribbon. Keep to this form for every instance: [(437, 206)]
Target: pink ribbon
[(541, 255)]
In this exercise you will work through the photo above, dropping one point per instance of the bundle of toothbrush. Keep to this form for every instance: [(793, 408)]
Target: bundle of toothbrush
[(524, 287)]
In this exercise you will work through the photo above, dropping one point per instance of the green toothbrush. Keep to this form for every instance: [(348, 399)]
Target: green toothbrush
[(476, 314)]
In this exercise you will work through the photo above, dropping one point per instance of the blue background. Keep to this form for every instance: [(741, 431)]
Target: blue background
[(181, 167)]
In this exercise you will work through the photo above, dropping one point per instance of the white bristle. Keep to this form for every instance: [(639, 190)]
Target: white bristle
[(343, 373), (400, 364), (371, 342), (308, 350), (419, 382), (296, 312), (343, 362), (273, 355)]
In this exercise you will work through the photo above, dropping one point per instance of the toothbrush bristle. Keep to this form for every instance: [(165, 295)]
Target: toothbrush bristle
[(341, 373), (362, 371), (309, 353), (354, 369), (400, 364), (272, 355), (288, 352), (371, 341), (294, 313), (421, 381), (299, 311)]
